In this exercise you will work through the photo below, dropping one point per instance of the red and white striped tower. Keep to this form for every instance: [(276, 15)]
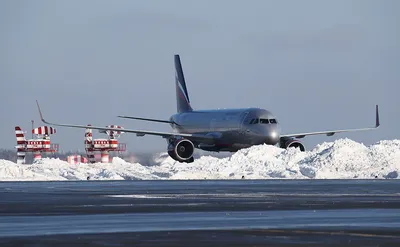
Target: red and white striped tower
[(21, 145), (89, 145), (44, 131), (103, 146), (114, 134), (36, 146), (112, 142), (37, 156), (105, 157), (42, 144), (76, 159)]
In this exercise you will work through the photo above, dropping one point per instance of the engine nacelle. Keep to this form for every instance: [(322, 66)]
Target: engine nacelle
[(181, 150), (291, 142)]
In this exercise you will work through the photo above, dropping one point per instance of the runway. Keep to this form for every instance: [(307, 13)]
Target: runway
[(198, 213)]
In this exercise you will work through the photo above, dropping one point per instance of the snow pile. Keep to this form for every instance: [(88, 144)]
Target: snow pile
[(348, 159), (341, 159), (55, 169)]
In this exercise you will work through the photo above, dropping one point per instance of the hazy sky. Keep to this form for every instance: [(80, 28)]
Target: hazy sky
[(316, 65)]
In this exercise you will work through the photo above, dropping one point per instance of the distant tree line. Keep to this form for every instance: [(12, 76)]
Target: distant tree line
[(8, 155)]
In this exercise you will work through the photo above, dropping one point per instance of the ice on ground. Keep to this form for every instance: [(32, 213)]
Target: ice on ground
[(341, 159)]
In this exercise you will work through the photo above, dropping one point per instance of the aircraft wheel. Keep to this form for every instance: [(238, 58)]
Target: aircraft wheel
[(190, 160)]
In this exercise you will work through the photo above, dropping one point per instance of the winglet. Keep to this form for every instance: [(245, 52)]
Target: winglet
[(377, 117), (40, 112)]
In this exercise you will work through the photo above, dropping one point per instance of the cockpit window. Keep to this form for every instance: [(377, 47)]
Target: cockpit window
[(263, 121)]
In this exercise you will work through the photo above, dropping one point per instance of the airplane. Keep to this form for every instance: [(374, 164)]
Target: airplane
[(216, 130)]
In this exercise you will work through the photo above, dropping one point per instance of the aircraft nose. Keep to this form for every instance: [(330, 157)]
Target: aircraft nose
[(272, 136), (268, 134)]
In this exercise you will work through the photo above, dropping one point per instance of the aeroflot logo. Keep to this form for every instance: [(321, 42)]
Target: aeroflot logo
[(180, 86)]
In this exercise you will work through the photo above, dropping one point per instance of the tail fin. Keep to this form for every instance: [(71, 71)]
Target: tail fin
[(182, 96)]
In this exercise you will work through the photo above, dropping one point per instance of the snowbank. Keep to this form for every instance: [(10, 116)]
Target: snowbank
[(341, 159)]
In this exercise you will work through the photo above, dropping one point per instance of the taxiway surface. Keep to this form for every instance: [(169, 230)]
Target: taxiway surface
[(197, 213)]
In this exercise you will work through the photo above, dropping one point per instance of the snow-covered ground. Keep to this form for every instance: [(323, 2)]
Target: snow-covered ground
[(341, 159)]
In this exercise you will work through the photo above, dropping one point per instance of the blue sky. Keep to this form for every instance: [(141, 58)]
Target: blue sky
[(316, 65)]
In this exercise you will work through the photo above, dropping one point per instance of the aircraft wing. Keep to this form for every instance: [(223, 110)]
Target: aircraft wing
[(196, 137), (332, 132)]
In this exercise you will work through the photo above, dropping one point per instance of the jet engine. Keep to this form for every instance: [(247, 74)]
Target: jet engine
[(181, 150), (291, 142)]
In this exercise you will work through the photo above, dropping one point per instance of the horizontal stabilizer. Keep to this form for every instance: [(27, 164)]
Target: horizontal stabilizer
[(149, 119)]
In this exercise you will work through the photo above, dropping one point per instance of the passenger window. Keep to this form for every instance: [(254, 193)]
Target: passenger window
[(264, 121), (273, 121)]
